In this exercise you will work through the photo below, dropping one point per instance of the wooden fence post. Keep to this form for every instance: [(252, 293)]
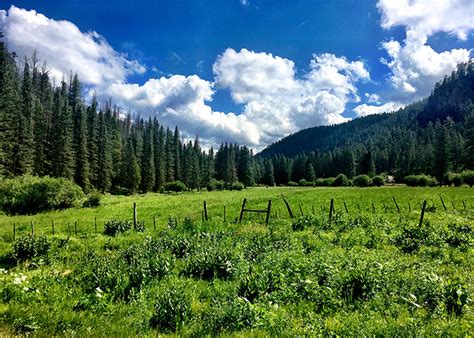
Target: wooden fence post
[(373, 208), (154, 223), (32, 228), (452, 203), (444, 206), (242, 210), (422, 213), (331, 208), (205, 211), (409, 206), (68, 229), (464, 204), (288, 207), (52, 225), (75, 227), (345, 207), (396, 204), (224, 215), (14, 230), (95, 224), (268, 211), (301, 209), (134, 216)]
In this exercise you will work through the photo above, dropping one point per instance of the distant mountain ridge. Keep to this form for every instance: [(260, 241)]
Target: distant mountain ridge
[(450, 97)]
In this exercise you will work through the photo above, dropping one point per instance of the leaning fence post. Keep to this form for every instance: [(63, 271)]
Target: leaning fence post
[(464, 204), (345, 207), (422, 213), (134, 216), (396, 204), (301, 209), (452, 203), (288, 207), (444, 206), (242, 210), (205, 211), (268, 211), (331, 208)]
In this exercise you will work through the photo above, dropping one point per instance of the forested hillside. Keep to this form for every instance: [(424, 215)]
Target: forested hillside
[(433, 136)]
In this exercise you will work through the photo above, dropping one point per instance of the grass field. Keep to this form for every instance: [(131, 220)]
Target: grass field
[(362, 272)]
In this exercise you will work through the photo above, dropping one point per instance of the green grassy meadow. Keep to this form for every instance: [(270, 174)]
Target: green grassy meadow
[(360, 273)]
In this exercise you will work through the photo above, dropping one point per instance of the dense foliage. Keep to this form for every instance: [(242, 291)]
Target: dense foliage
[(29, 194)]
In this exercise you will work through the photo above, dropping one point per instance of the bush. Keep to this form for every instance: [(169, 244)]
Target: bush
[(292, 184), (114, 227), (468, 177), (420, 181), (453, 179), (324, 182), (362, 181), (378, 181), (340, 181), (175, 186), (30, 246), (237, 186), (93, 200), (215, 185), (32, 194), (172, 308)]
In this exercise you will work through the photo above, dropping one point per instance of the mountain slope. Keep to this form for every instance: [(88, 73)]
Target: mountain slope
[(449, 98)]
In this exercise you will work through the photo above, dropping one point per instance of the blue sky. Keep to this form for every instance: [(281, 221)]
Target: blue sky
[(248, 71)]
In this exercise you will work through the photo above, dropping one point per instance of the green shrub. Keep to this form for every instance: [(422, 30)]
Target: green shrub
[(362, 181), (215, 185), (468, 177), (93, 200), (32, 194), (340, 181), (378, 181), (324, 182), (237, 186), (30, 246), (303, 222), (302, 182), (456, 296), (453, 179), (292, 184), (420, 181), (172, 307), (175, 186), (114, 227)]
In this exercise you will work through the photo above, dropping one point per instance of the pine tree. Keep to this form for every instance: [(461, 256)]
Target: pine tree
[(104, 160), (310, 175), (132, 170), (79, 140), (269, 177), (62, 158), (159, 146), (441, 165), (93, 141), (177, 149), (169, 156), (23, 149), (148, 162), (469, 132), (9, 107)]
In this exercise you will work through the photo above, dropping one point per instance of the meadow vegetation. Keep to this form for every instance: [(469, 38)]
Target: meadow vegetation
[(368, 270)]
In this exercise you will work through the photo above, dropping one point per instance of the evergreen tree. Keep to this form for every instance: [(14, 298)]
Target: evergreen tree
[(310, 175), (93, 141), (148, 160), (269, 177), (104, 158), (159, 146), (132, 170), (441, 165), (169, 156)]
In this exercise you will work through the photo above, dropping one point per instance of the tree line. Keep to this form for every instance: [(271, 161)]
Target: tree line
[(47, 129)]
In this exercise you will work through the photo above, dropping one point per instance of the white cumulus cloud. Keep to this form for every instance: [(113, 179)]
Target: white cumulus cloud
[(415, 66), (65, 47), (277, 101)]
